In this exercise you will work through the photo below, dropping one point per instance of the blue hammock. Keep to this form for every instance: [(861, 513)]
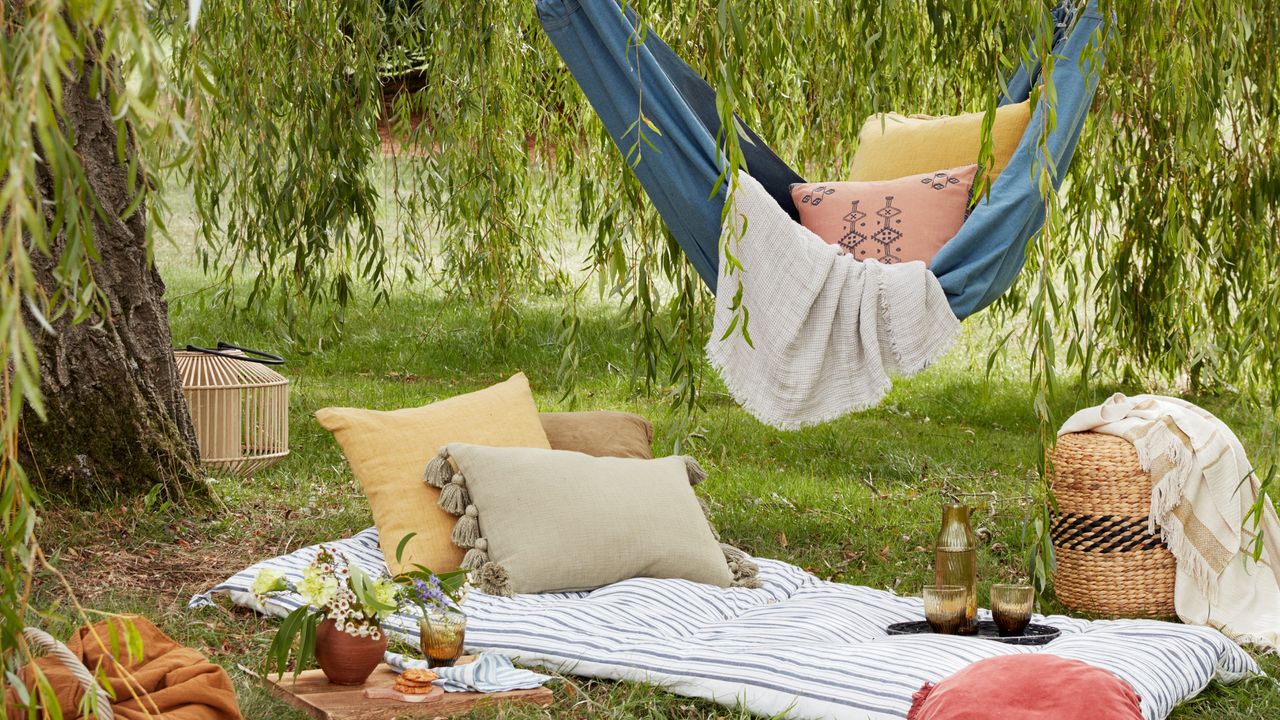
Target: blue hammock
[(598, 41)]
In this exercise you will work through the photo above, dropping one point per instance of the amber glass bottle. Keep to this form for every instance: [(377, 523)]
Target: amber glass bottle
[(956, 560)]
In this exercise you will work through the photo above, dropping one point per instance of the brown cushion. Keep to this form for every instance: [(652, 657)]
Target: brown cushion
[(388, 451), (599, 433)]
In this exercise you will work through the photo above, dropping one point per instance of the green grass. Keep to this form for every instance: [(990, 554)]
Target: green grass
[(856, 500)]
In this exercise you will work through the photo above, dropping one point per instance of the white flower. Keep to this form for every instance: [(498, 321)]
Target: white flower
[(269, 581), (317, 588)]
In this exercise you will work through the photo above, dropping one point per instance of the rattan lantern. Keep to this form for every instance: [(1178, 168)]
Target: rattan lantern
[(239, 406)]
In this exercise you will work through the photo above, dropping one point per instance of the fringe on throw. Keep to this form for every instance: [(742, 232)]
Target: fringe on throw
[(1166, 495)]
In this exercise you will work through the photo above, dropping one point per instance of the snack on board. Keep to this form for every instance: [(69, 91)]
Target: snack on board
[(418, 675)]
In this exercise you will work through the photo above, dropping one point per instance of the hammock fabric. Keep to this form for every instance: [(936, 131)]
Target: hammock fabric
[(599, 42)]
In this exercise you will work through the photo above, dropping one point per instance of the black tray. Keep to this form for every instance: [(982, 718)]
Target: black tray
[(1034, 634)]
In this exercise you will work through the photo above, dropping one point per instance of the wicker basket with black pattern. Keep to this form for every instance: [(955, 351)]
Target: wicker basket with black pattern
[(1107, 562)]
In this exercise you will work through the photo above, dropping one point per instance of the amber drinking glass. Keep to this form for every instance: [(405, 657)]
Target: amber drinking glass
[(442, 635), (944, 607), (1011, 607)]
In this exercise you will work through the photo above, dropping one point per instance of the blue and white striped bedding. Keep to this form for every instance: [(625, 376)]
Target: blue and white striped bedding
[(799, 647)]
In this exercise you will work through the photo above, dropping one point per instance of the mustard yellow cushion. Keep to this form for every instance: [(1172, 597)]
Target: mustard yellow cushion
[(388, 452), (891, 146)]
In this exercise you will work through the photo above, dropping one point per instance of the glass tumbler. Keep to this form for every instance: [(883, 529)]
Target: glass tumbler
[(944, 607), (1011, 607), (442, 634)]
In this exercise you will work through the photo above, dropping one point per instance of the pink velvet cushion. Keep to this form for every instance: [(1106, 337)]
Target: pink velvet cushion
[(901, 220), (1035, 686)]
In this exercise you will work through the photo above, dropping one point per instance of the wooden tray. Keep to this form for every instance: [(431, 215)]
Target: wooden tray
[(314, 695)]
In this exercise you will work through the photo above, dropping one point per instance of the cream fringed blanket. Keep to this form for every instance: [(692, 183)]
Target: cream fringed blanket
[(827, 329), (1204, 489)]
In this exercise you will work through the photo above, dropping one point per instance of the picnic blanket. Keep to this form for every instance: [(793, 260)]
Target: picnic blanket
[(798, 647), (169, 681), (826, 330), (1200, 504)]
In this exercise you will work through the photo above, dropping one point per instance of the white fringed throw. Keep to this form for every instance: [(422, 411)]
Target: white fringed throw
[(827, 329), (1204, 488)]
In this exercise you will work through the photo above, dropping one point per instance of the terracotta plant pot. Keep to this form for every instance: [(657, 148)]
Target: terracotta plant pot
[(347, 659)]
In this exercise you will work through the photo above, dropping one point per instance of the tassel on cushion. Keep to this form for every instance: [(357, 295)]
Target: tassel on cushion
[(696, 473), (438, 471), (477, 556), (494, 580), (467, 531), (744, 569), (453, 496), (706, 512)]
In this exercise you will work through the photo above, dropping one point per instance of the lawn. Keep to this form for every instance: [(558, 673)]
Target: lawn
[(856, 500)]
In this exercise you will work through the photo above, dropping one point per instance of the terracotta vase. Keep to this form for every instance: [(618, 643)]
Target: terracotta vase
[(347, 659)]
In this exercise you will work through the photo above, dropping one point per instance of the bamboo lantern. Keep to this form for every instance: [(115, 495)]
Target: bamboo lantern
[(239, 406)]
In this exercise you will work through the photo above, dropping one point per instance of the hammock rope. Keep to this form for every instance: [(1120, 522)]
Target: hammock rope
[(623, 77)]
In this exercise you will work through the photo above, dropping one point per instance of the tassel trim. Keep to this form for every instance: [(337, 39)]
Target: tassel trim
[(477, 556), (745, 571), (695, 471), (706, 513), (453, 497), (917, 701), (494, 580), (438, 471), (467, 531)]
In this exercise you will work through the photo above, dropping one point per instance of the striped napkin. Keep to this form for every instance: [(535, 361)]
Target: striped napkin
[(489, 673)]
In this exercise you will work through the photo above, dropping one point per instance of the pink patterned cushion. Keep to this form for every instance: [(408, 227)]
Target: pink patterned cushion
[(1034, 686), (891, 221)]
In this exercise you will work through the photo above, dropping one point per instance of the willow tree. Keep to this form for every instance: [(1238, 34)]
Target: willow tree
[(1159, 257)]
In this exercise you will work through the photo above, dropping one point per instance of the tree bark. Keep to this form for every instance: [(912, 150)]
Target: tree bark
[(116, 421)]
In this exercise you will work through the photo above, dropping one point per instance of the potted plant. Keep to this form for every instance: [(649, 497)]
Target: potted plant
[(339, 624)]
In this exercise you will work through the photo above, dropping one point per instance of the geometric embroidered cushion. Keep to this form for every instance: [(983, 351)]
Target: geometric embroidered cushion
[(890, 221), (1035, 686)]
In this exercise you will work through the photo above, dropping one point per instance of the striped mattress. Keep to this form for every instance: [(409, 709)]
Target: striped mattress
[(799, 647)]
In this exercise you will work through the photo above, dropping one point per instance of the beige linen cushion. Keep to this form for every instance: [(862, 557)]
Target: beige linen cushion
[(388, 450), (600, 433), (555, 520)]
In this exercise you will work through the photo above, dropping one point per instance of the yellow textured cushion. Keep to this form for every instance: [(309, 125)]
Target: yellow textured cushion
[(909, 145), (388, 452)]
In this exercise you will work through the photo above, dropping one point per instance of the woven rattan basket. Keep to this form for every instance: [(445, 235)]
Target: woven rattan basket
[(1107, 562)]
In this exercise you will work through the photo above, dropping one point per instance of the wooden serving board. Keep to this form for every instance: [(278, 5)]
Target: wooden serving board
[(314, 695)]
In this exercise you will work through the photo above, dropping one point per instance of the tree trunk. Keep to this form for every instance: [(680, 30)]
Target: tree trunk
[(116, 421)]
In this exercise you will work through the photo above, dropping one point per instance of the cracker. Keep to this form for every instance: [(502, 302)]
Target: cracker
[(418, 675), (413, 689)]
